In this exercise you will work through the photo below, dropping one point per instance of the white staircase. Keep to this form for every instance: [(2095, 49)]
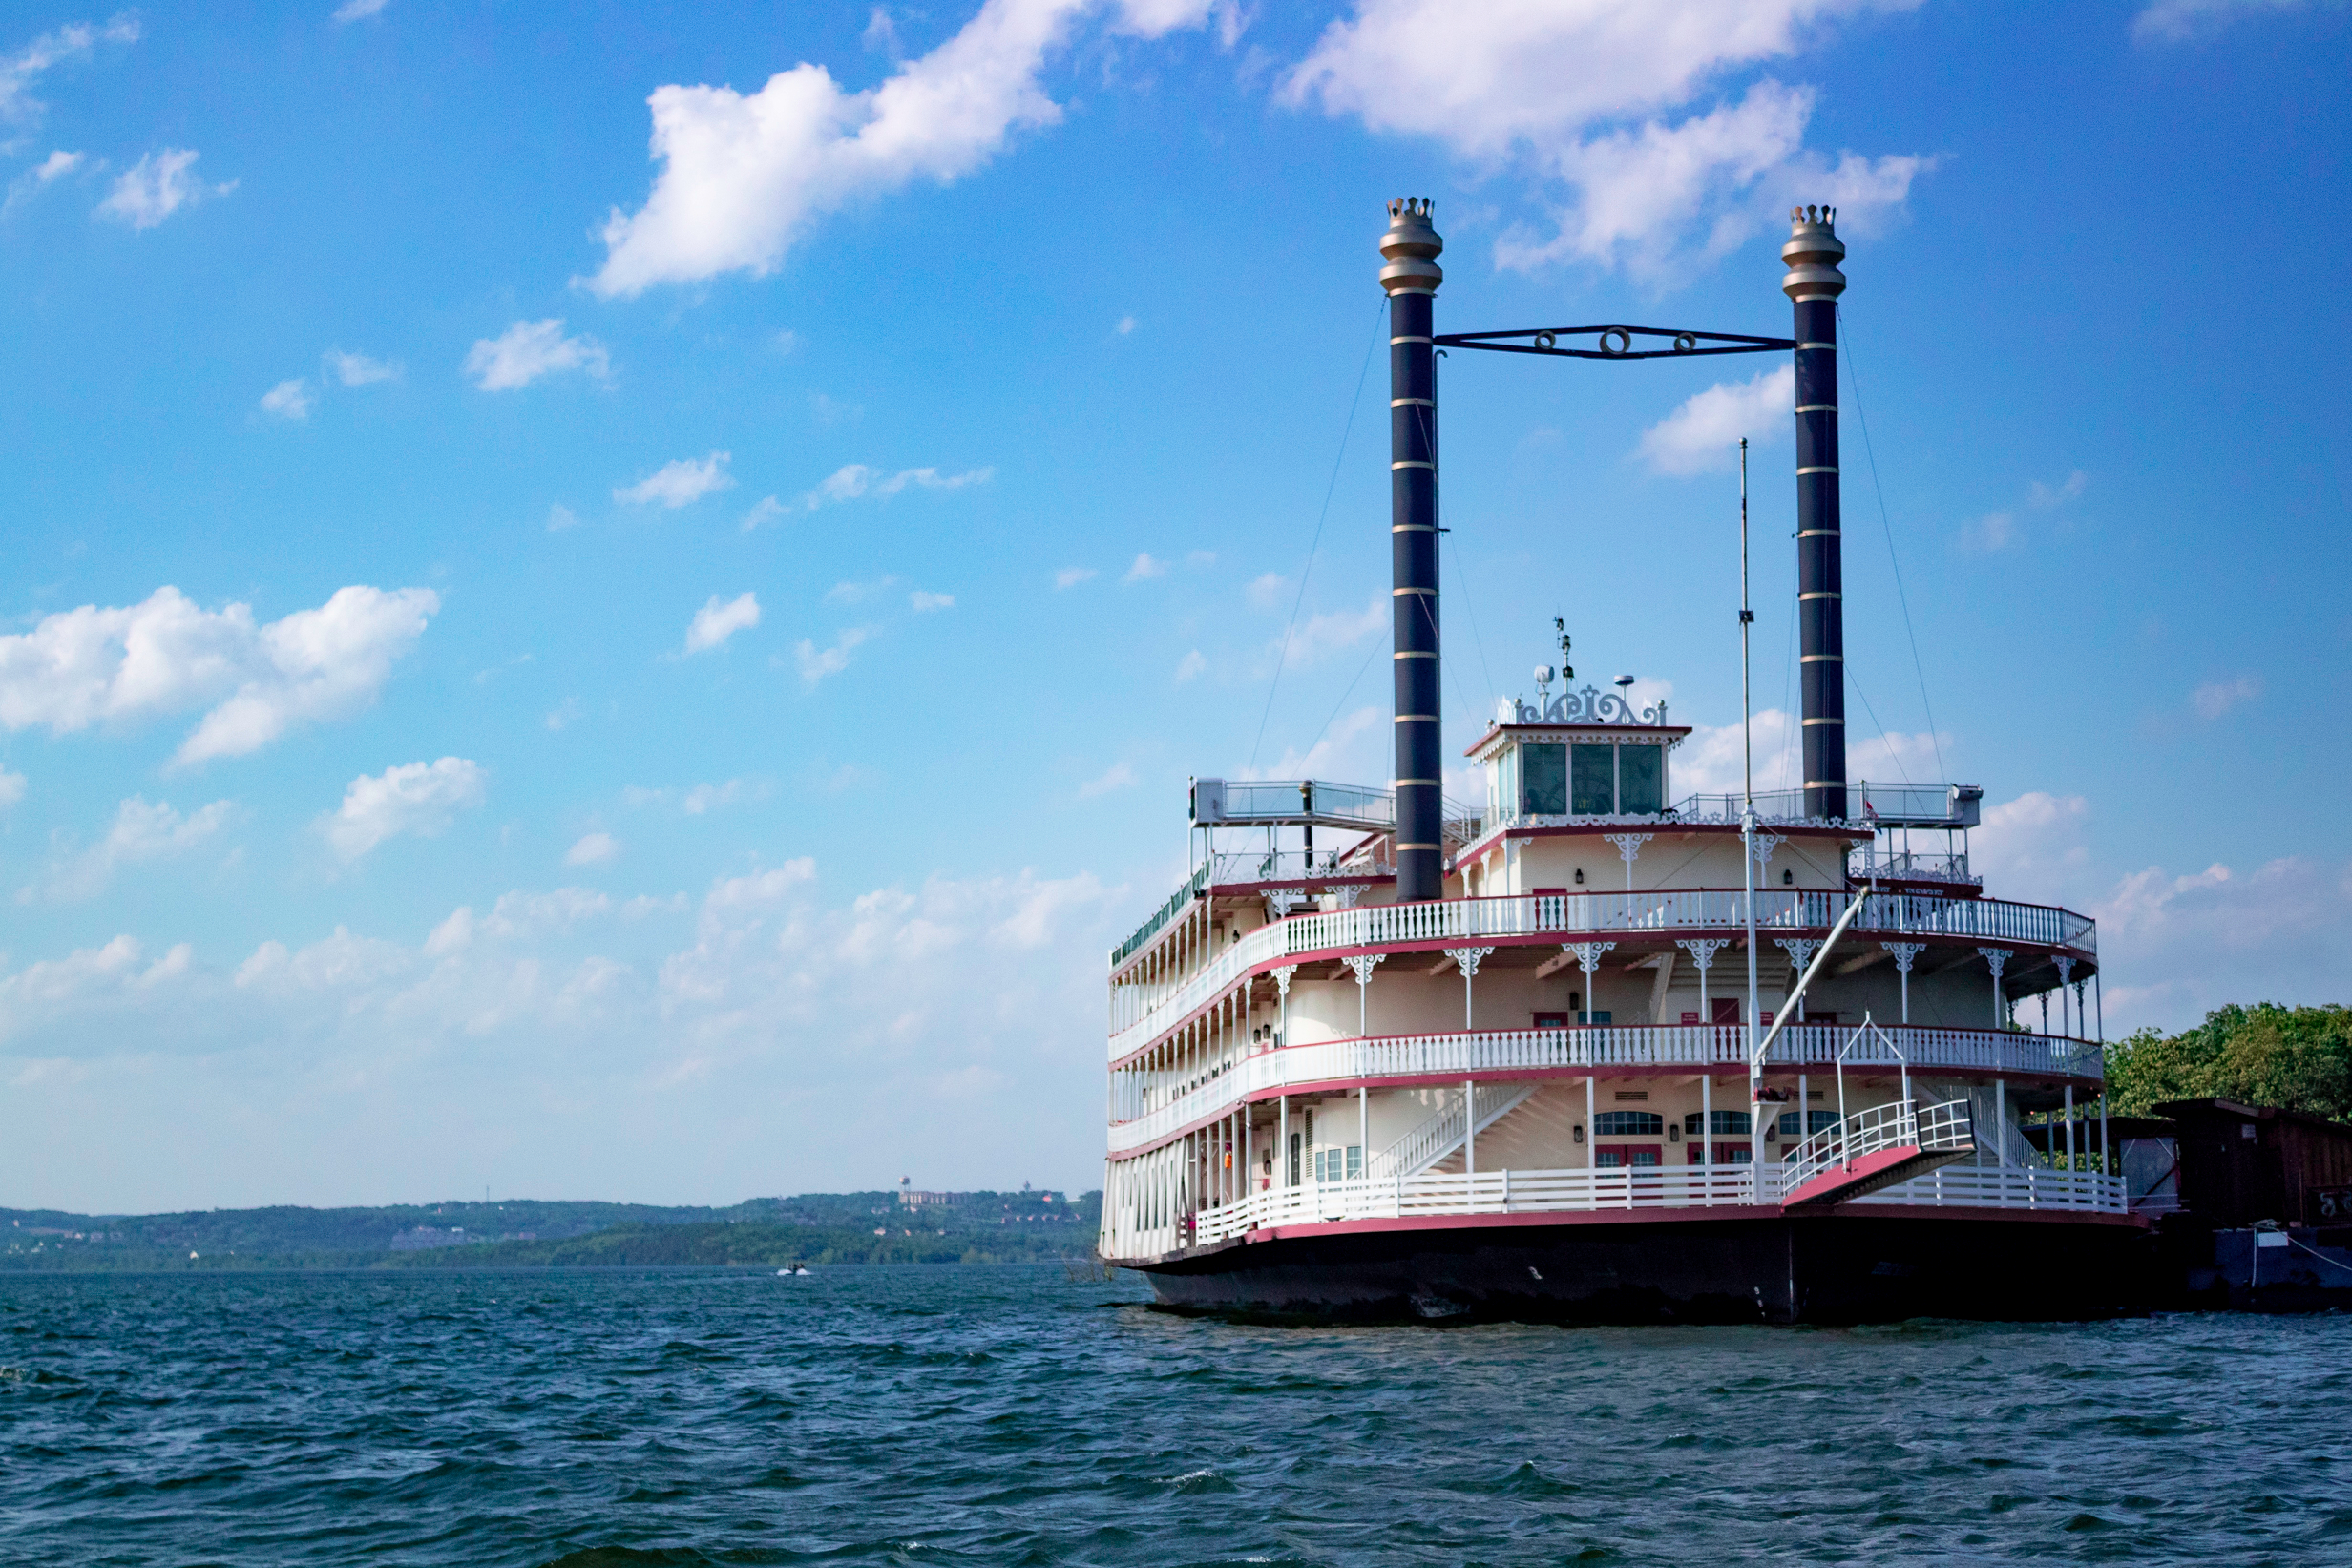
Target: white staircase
[(1443, 1132)]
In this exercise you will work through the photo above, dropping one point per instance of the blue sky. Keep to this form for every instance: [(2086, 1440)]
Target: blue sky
[(620, 604)]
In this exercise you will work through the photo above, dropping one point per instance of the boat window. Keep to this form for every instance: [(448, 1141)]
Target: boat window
[(1718, 1122), (1822, 1120), (1543, 775), (1339, 1164), (1628, 1123), (1641, 781), (1608, 1159), (1644, 1157), (1594, 781)]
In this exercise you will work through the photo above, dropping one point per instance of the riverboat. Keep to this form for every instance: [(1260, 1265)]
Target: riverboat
[(1590, 1050)]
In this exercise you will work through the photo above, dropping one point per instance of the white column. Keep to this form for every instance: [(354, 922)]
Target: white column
[(1587, 956), (1702, 951), (2069, 1129), (1282, 1019), (1906, 953), (1707, 1118), (2000, 1120), (1469, 1126), (1363, 966), (1629, 845), (1282, 1146), (1467, 959), (1800, 950), (1591, 1137), (1363, 1124), (1996, 957)]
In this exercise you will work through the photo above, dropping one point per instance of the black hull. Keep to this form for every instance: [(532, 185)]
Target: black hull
[(1833, 1268)]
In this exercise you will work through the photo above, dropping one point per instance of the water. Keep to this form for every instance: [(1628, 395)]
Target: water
[(1013, 1416)]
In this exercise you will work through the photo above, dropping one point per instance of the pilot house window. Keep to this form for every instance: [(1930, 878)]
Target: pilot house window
[(1544, 772), (1596, 779)]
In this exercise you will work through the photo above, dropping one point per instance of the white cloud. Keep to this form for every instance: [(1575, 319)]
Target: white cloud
[(421, 798), (12, 789), (1709, 762), (744, 177), (1266, 593), (923, 604), (1127, 324), (1999, 530), (92, 666), (1349, 749), (1117, 775), (155, 187), (1070, 577), (1319, 637), (1191, 667), (1703, 432), (141, 832), (353, 10), (528, 350), (858, 592), (40, 176), (715, 622), (1580, 97), (680, 483), (856, 480), (705, 798), (2175, 21), (593, 849), (358, 369), (1145, 567), (560, 517), (75, 41), (288, 399), (815, 665), (769, 510), (2215, 697)]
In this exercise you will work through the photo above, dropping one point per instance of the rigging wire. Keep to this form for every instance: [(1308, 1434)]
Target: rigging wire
[(1854, 375), (1322, 517)]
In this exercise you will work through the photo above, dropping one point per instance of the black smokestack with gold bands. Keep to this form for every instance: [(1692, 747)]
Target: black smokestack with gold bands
[(1411, 277), (1814, 283)]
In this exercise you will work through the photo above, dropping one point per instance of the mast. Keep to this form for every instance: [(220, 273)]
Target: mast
[(1813, 284), (1747, 839), (1411, 277)]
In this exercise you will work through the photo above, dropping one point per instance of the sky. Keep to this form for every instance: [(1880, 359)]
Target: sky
[(619, 603)]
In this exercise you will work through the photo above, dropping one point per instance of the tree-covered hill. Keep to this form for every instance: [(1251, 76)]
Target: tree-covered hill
[(813, 1227)]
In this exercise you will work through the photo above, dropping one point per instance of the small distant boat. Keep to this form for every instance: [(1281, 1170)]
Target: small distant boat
[(782, 1273)]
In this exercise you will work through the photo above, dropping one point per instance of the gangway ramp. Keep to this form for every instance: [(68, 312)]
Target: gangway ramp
[(1876, 1148)]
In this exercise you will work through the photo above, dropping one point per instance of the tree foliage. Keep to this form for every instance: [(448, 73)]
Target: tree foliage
[(2299, 1058)]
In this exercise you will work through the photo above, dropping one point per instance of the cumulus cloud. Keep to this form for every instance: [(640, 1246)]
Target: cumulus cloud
[(40, 176), (1320, 635), (12, 789), (1999, 529), (715, 622), (420, 798), (289, 400), (156, 186), (924, 603), (528, 350), (560, 517), (73, 42), (1117, 775), (769, 509), (742, 176), (140, 832), (168, 655), (1703, 432), (593, 849), (1146, 567), (1191, 667), (2215, 697), (856, 480), (358, 369), (2175, 21), (816, 663), (680, 483), (1070, 577), (355, 11), (1592, 101)]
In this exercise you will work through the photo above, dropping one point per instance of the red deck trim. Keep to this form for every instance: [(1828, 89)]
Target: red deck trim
[(1550, 1218)]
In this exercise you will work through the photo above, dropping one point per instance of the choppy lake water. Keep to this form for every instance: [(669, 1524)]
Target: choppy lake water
[(1013, 1416)]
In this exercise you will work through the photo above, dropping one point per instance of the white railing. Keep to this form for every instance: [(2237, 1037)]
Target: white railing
[(1431, 1196), (1777, 910), (1902, 1124), (1452, 1055)]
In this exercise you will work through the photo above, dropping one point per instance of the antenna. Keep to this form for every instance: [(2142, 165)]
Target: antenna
[(1567, 671)]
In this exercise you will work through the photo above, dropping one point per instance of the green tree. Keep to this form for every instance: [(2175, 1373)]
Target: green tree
[(2299, 1058)]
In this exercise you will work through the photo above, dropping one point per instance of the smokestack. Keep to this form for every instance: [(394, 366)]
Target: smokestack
[(1814, 283), (1412, 278)]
